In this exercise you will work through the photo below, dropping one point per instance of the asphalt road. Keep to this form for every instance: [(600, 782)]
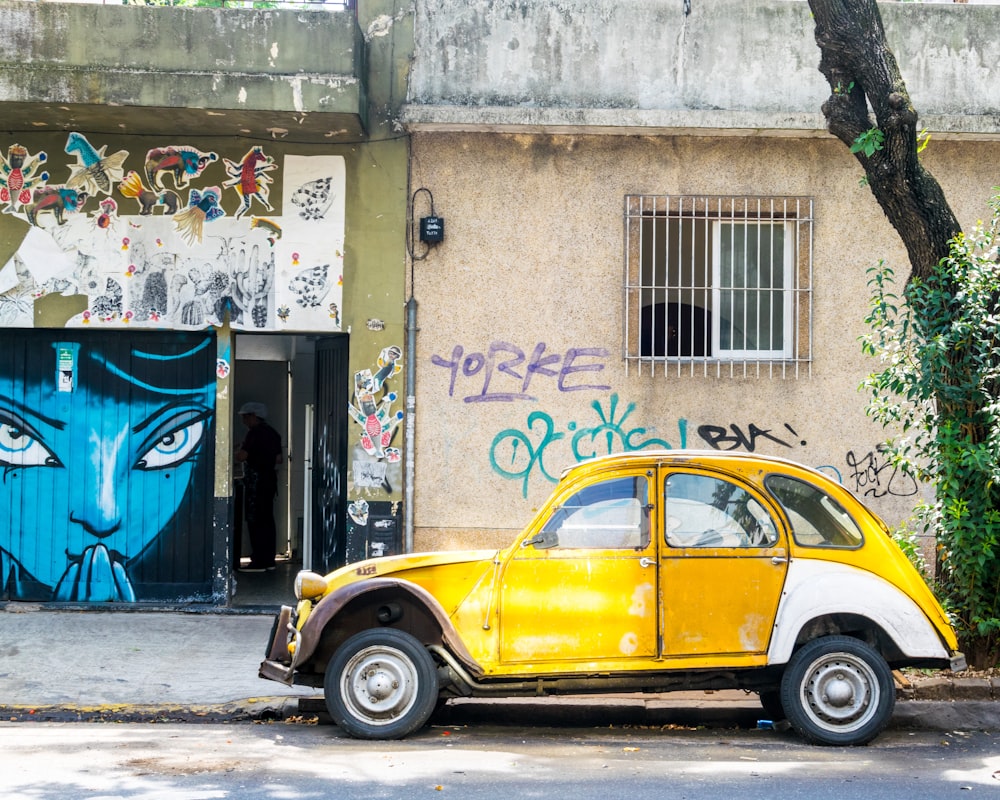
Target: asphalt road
[(276, 761)]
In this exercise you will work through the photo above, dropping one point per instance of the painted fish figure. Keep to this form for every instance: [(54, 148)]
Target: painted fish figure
[(202, 207)]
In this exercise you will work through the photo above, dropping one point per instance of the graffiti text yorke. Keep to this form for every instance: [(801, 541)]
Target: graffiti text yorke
[(504, 372)]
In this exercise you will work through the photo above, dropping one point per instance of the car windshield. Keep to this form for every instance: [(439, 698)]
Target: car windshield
[(817, 519)]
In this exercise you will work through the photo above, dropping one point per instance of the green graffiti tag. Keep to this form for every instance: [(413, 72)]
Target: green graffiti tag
[(517, 454)]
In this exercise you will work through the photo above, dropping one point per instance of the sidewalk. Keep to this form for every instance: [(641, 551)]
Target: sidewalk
[(136, 664), (202, 666)]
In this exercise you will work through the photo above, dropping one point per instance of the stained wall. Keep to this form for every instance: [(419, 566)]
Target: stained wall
[(531, 275)]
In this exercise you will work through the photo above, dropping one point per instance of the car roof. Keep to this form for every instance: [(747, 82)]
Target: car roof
[(684, 456)]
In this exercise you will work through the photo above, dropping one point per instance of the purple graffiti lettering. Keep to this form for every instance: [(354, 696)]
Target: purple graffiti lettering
[(456, 357), (472, 364), (504, 360), (539, 365), (506, 366), (570, 367)]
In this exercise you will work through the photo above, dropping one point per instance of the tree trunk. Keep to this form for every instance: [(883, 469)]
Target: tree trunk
[(862, 71)]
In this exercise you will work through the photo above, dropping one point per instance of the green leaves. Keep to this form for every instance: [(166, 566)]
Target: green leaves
[(937, 386), (923, 139), (869, 142)]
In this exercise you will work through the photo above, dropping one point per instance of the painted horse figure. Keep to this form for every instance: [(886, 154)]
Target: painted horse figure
[(94, 172), (249, 178)]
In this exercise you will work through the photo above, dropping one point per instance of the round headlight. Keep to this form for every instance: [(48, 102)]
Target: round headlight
[(309, 585)]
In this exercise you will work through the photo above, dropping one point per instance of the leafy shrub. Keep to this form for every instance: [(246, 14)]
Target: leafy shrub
[(939, 387)]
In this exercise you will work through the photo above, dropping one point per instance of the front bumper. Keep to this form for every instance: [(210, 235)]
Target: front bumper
[(278, 664), (957, 661)]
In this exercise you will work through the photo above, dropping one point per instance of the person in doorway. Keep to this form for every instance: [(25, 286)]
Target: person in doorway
[(260, 454)]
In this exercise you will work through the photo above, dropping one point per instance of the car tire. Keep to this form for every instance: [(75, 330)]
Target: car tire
[(770, 701), (381, 684), (837, 690)]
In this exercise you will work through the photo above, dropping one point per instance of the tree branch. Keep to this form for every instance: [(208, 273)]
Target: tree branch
[(863, 73)]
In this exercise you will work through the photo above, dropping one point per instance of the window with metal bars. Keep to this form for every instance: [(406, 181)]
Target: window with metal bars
[(718, 285)]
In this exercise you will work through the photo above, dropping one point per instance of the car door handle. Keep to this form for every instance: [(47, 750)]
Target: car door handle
[(646, 561), (778, 560)]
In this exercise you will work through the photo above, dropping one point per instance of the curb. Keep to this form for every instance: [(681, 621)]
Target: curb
[(255, 709), (946, 687), (931, 704)]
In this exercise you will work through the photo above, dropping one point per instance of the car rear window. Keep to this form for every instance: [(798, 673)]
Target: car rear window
[(817, 519)]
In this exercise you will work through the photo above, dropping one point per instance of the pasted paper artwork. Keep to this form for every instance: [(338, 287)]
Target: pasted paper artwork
[(149, 240)]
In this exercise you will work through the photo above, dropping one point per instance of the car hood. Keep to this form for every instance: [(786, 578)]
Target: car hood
[(404, 565)]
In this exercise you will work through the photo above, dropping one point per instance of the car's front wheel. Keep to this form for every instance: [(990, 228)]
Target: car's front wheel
[(838, 690), (381, 684)]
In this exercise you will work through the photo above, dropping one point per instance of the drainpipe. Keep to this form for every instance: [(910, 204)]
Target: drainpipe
[(411, 404)]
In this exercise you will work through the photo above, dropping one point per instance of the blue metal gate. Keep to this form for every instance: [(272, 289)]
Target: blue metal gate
[(106, 452)]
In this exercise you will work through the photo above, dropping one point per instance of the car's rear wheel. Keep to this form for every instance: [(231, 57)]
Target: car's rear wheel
[(381, 684), (838, 690)]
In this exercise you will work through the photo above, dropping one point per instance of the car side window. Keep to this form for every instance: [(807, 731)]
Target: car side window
[(612, 514), (817, 519), (705, 511)]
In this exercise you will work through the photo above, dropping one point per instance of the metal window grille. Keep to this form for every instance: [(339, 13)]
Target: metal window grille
[(718, 286)]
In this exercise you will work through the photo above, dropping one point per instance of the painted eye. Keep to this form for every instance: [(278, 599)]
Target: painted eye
[(177, 444), (20, 448)]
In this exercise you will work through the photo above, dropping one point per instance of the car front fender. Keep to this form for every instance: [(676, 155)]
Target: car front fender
[(816, 589), (327, 609)]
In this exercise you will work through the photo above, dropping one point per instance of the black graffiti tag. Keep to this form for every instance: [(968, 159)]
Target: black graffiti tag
[(732, 438), (878, 477)]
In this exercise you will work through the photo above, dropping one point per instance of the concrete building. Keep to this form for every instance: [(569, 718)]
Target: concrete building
[(202, 207), (453, 247), (652, 241)]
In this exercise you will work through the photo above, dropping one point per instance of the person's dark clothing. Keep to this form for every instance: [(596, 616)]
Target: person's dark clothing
[(260, 485)]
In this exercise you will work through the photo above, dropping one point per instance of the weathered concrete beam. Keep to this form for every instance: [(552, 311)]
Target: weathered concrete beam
[(640, 122), (646, 65), (227, 68), (622, 122)]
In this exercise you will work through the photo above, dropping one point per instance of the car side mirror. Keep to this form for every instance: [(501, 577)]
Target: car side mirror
[(542, 541)]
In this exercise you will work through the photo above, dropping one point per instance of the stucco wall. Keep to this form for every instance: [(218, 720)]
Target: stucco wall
[(534, 254)]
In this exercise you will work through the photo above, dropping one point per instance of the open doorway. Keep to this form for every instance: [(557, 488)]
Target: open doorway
[(280, 371)]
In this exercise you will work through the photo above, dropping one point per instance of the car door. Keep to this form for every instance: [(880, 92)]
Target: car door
[(582, 586), (723, 562)]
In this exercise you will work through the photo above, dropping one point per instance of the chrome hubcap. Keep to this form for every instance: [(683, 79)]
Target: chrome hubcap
[(840, 692), (378, 684)]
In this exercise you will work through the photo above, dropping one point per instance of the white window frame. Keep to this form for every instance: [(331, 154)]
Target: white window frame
[(718, 290)]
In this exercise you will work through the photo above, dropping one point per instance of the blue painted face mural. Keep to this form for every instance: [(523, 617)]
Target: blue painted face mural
[(102, 443)]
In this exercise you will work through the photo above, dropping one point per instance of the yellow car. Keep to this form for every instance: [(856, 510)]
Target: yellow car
[(648, 571)]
